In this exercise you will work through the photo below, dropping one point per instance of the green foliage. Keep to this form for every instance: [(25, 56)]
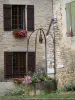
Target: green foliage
[(70, 87), (59, 91), (38, 77), (41, 96), (53, 95), (37, 81)]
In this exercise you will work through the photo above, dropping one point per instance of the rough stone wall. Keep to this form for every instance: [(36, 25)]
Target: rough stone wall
[(65, 47), (42, 18)]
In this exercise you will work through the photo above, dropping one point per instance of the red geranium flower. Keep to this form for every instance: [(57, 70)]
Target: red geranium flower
[(22, 33)]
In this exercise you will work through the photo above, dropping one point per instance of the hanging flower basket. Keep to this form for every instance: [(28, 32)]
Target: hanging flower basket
[(20, 33)]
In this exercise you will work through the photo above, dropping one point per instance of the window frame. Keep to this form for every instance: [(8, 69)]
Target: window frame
[(18, 15), (70, 15)]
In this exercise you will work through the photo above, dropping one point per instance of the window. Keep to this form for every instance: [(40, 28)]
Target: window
[(15, 64), (16, 17), (70, 16)]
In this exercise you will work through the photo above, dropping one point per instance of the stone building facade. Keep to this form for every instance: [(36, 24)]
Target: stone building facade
[(64, 45), (10, 44)]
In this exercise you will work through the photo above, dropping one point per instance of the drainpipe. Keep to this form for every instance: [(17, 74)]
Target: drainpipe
[(27, 41), (54, 43)]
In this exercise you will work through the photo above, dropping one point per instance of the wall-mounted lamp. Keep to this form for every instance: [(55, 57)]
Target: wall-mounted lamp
[(40, 38)]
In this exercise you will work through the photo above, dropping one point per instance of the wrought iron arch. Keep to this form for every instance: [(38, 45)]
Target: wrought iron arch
[(39, 31)]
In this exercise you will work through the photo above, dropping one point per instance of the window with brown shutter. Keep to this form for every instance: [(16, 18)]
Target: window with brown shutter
[(15, 18), (15, 64)]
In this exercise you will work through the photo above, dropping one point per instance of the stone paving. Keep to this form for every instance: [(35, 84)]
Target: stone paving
[(4, 86)]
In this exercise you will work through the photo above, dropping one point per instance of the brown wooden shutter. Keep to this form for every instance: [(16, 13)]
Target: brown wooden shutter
[(8, 64), (7, 17), (30, 18), (31, 61)]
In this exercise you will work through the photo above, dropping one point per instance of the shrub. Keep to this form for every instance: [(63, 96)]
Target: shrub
[(70, 87), (38, 77), (36, 81)]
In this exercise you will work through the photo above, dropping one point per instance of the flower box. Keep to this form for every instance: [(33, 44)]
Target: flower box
[(20, 33), (18, 80)]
